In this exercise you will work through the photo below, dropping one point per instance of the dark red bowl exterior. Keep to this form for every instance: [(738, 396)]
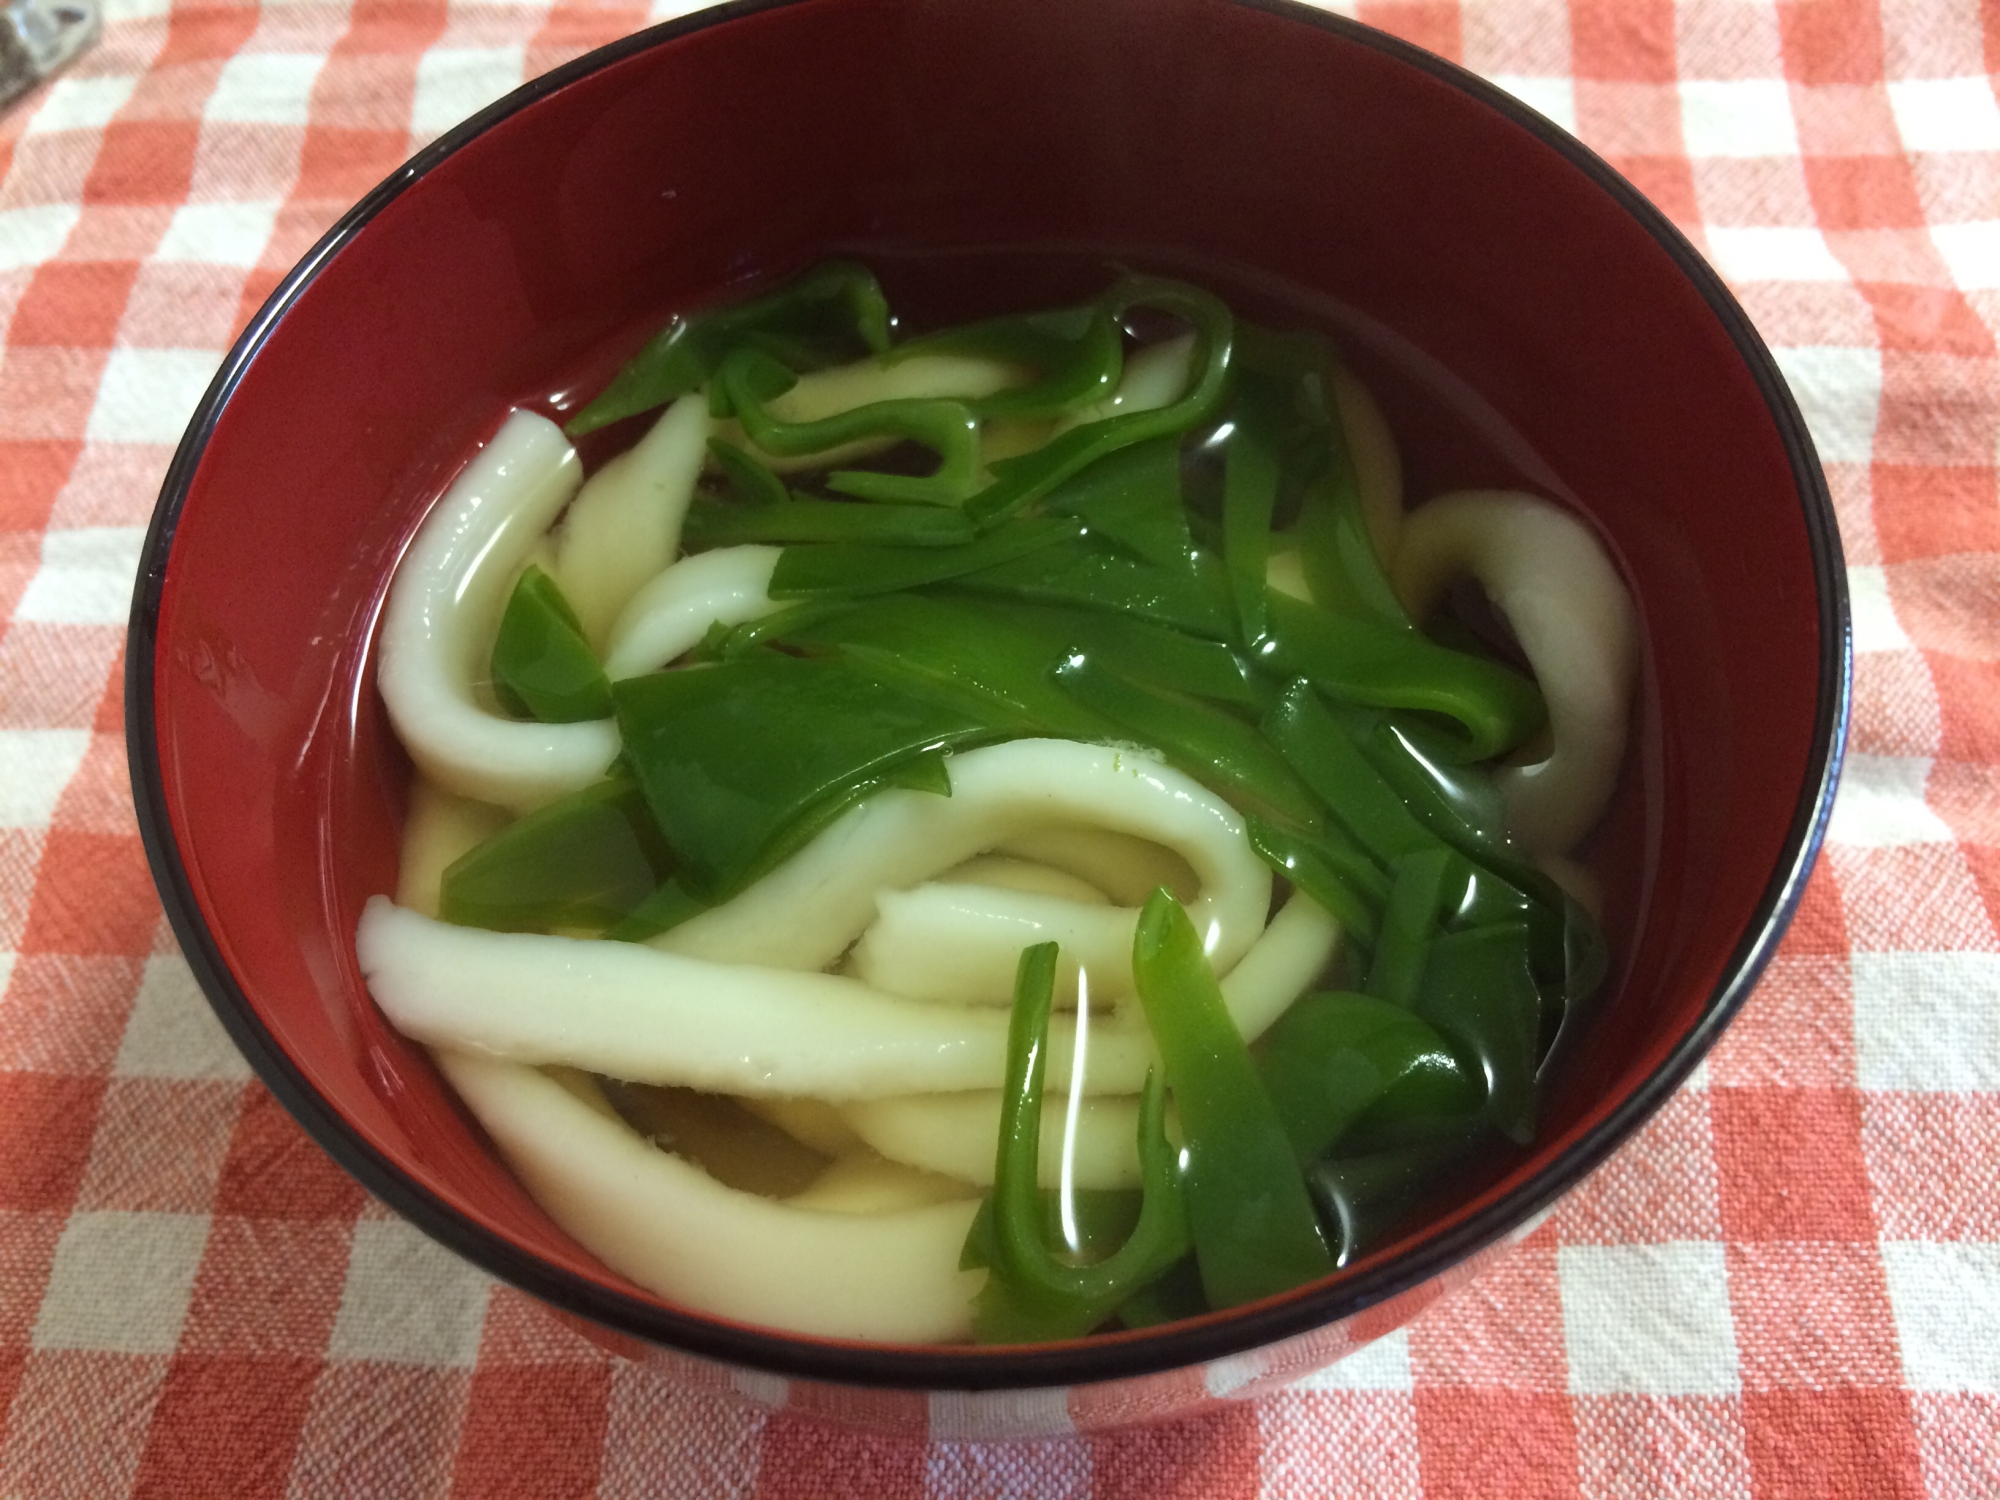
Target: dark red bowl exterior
[(1250, 143)]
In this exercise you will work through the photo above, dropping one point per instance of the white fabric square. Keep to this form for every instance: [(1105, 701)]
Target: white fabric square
[(219, 234), (85, 578), (1649, 1320), (1972, 251), (1737, 117), (172, 1031), (1880, 804), (997, 1416), (147, 395), (135, 10), (1946, 114), (265, 88), (35, 766), (120, 1283), (1875, 625), (1553, 98), (454, 83), (29, 236), (1773, 254), (408, 1300), (1946, 1299), (669, 10), (80, 104), (1381, 1366), (1927, 1022), (1839, 392)]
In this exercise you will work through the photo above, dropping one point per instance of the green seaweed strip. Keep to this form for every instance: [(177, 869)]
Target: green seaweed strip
[(1255, 1232), (814, 317)]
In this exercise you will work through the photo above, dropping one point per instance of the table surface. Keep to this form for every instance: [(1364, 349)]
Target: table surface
[(1789, 1284)]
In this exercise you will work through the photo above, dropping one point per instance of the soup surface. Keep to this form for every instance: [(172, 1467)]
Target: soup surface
[(998, 833)]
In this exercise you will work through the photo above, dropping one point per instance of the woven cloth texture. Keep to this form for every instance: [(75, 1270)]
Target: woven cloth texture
[(1787, 1285)]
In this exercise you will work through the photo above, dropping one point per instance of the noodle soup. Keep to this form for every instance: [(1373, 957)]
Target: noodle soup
[(998, 834)]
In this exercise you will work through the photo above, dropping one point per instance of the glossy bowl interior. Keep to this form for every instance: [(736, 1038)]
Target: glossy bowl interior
[(985, 154)]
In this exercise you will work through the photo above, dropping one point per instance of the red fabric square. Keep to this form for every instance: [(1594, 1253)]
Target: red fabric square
[(1832, 43), (1924, 510), (1796, 1031), (1502, 1332), (176, 305), (1946, 604), (1661, 1447), (1819, 926), (266, 1288), (1660, 1186), (1623, 39), (98, 798), (901, 1414), (1933, 318), (93, 894), (1935, 1163), (224, 1427), (205, 33), (1895, 705), (1209, 1457), (274, 1171), (1966, 794), (1969, 698), (1812, 1316), (47, 393), (110, 716), (66, 1013), (46, 1120), (519, 1330), (143, 161), (393, 26), (72, 302), (1936, 410), (78, 1422), (1915, 899), (380, 1430), (1430, 24), (338, 165), (801, 1456), (1496, 1445), (1863, 192), (30, 476), (1626, 118), (51, 675), (161, 1145), (535, 1432), (1983, 860), (1832, 1445), (1358, 1445), (1790, 1164)]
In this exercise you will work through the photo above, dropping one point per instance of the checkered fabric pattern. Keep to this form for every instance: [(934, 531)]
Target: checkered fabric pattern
[(1789, 1285)]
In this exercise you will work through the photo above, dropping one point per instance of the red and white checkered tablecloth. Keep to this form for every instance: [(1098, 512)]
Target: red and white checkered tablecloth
[(1788, 1286)]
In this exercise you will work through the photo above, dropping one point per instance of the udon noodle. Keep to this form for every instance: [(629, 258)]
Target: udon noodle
[(935, 840)]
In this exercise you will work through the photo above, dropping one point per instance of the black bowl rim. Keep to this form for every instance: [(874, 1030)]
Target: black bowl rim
[(895, 1367)]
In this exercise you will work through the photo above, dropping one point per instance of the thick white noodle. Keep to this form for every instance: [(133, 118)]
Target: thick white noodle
[(1002, 872), (676, 1231), (631, 1012), (1548, 574), (1378, 467), (959, 944), (955, 1133), (1126, 869), (444, 607), (804, 914), (626, 523), (672, 612), (826, 393)]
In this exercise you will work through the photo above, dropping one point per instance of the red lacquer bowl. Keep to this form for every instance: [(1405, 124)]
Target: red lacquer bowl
[(984, 154)]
